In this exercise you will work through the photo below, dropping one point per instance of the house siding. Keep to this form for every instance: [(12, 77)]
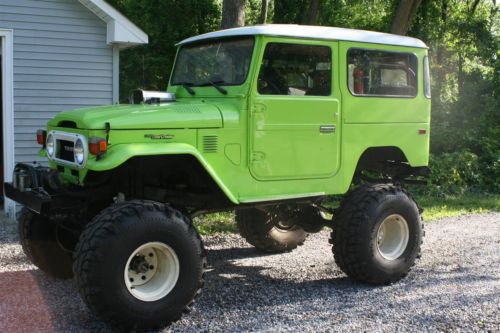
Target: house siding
[(61, 62)]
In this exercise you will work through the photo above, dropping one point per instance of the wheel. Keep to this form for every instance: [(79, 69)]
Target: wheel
[(139, 265), (39, 239), (377, 234), (274, 230)]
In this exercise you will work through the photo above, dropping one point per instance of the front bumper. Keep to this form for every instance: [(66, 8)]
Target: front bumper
[(32, 199), (36, 188)]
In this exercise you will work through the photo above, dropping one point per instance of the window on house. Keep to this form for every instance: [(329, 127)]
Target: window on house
[(379, 73), (295, 69)]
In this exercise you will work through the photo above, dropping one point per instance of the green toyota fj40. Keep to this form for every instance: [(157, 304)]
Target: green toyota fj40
[(267, 120)]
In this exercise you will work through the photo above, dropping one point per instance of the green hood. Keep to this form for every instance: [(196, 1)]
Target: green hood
[(170, 115)]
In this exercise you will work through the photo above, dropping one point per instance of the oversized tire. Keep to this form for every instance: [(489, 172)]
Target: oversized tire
[(39, 239), (377, 234), (139, 265), (269, 231)]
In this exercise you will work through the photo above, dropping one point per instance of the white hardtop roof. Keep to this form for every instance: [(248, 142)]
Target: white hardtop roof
[(121, 31), (312, 32)]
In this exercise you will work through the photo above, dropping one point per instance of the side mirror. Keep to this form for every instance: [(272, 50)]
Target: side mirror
[(151, 97)]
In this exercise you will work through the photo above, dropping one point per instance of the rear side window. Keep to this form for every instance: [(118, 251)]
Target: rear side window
[(427, 78), (295, 69), (381, 73)]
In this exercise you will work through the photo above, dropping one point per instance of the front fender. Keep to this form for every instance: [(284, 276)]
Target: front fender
[(119, 154)]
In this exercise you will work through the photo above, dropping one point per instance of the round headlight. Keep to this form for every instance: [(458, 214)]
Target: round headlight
[(79, 151), (49, 145)]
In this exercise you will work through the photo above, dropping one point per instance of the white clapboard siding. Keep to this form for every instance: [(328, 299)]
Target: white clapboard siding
[(61, 62)]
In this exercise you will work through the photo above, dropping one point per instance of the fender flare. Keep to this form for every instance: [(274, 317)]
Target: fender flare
[(119, 154)]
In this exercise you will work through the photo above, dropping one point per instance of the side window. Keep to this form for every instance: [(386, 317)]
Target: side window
[(427, 78), (295, 69), (379, 73)]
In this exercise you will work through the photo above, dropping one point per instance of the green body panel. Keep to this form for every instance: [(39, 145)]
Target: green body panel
[(187, 114), (267, 147)]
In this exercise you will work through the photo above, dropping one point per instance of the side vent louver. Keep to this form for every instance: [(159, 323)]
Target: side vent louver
[(210, 144)]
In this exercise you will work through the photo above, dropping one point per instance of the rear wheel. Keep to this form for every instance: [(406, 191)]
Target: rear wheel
[(377, 234), (43, 242), (274, 230), (139, 265)]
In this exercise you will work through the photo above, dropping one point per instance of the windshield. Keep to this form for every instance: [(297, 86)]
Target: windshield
[(223, 61)]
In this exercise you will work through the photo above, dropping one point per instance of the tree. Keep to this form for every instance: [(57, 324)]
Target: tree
[(233, 14), (404, 14), (312, 13), (263, 12)]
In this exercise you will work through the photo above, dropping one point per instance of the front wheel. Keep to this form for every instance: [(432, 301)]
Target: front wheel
[(139, 265), (377, 233)]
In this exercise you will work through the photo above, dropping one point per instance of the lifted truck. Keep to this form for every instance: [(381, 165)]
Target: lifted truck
[(268, 120)]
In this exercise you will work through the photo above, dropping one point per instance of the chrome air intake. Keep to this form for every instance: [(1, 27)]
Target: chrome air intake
[(151, 97)]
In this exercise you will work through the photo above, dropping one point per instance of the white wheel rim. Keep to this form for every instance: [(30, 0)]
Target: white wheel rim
[(152, 271), (392, 237)]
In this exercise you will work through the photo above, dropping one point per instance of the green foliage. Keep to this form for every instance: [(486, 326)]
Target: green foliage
[(453, 173), (166, 22)]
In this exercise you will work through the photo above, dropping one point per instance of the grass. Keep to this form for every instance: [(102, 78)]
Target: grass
[(222, 222), (437, 208), (434, 208)]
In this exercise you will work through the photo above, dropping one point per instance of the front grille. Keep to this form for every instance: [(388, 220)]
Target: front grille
[(65, 151)]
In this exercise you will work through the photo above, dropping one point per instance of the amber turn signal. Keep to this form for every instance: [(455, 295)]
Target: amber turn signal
[(41, 135), (97, 146)]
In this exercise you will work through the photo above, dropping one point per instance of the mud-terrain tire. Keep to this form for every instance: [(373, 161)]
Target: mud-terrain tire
[(377, 234), (38, 238), (139, 231), (261, 229)]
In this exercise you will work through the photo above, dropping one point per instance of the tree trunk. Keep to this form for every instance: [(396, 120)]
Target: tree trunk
[(263, 12), (233, 14), (404, 14), (312, 13)]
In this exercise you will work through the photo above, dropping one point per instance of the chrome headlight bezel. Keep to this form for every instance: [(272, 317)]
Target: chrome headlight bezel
[(79, 151), (50, 145)]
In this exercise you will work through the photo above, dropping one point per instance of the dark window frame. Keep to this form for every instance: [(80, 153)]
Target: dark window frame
[(387, 95), (300, 44)]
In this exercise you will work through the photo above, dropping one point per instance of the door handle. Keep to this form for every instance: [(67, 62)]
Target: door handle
[(327, 129)]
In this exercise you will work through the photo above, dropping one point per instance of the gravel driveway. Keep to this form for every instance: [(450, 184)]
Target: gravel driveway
[(455, 287)]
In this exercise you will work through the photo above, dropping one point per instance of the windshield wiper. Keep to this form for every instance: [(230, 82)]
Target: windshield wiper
[(215, 84), (187, 86)]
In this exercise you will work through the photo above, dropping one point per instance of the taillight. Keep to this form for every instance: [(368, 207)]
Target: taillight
[(41, 135), (97, 146)]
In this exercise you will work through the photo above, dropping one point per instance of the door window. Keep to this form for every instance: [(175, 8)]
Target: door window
[(295, 69)]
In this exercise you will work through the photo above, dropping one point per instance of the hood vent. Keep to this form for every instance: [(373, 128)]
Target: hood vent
[(67, 124), (210, 144)]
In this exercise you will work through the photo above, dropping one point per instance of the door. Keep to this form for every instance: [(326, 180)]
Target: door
[(294, 115)]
